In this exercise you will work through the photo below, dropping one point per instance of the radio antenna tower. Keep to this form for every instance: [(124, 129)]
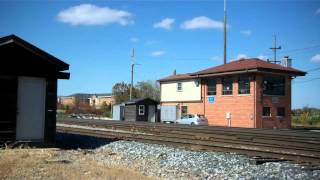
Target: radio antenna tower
[(274, 49)]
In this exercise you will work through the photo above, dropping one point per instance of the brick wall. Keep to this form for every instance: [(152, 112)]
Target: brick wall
[(240, 106), (68, 101), (273, 102)]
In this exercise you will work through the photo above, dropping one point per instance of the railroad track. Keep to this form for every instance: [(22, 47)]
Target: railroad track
[(295, 145)]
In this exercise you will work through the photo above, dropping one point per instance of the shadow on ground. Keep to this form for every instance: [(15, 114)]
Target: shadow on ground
[(72, 141)]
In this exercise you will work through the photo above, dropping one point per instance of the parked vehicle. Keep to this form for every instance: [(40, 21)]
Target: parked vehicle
[(193, 119)]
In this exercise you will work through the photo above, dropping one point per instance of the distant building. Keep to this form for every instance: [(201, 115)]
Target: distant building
[(244, 93), (99, 100), (93, 100)]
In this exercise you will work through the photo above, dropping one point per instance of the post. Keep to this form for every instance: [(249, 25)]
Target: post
[(225, 33), (131, 85), (132, 69)]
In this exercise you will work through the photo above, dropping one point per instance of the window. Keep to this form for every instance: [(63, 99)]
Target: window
[(184, 110), (211, 87), (266, 111), (179, 86), (191, 116), (244, 85), (227, 86), (274, 86), (281, 111), (141, 110)]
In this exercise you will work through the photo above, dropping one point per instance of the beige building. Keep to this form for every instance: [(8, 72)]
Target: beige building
[(98, 100), (93, 100)]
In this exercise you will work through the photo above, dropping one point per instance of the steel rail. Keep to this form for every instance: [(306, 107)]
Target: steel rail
[(300, 156), (228, 139)]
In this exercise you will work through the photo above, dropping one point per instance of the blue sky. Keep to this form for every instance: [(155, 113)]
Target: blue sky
[(96, 37)]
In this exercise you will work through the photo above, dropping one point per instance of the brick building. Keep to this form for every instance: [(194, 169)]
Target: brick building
[(93, 100), (245, 93)]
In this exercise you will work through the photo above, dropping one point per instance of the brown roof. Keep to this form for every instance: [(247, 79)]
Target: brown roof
[(250, 64), (176, 77), (253, 64)]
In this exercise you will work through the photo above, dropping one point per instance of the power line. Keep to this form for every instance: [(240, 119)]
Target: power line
[(314, 69), (302, 49), (296, 50), (313, 79)]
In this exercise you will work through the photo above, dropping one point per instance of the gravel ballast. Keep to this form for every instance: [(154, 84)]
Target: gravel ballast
[(175, 163)]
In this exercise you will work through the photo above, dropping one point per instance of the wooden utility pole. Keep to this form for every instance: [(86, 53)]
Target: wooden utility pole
[(225, 33), (132, 69)]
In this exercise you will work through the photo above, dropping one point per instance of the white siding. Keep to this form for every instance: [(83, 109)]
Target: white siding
[(190, 91)]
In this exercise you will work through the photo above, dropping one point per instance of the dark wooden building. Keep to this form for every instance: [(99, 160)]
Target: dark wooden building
[(28, 93), (141, 110)]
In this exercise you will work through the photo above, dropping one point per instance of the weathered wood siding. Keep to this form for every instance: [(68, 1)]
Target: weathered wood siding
[(130, 113), (8, 108), (51, 106)]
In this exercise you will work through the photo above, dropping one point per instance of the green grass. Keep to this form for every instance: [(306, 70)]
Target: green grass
[(306, 120)]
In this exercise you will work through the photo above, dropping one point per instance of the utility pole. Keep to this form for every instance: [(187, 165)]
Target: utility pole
[(274, 49), (225, 33), (132, 69)]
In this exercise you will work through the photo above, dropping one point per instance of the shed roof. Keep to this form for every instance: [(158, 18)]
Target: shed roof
[(15, 40), (140, 100)]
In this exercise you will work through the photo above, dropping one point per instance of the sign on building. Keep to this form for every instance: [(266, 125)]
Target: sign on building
[(211, 99)]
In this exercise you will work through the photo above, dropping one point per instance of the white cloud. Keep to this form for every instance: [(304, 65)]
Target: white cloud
[(134, 39), (89, 14), (318, 11), (242, 56), (165, 23), (216, 58), (158, 53), (202, 22), (262, 57), (316, 58), (246, 32)]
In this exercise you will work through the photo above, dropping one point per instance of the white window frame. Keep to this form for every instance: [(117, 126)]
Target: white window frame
[(141, 110), (179, 90)]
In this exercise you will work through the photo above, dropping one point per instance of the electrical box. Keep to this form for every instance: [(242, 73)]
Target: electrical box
[(228, 115)]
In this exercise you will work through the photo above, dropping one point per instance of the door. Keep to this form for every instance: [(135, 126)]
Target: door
[(31, 108), (168, 113), (8, 108), (152, 114)]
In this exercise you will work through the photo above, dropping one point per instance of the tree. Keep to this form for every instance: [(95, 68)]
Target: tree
[(143, 89), (148, 89), (121, 92)]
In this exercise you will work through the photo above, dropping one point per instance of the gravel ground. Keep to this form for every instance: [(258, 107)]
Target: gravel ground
[(173, 163)]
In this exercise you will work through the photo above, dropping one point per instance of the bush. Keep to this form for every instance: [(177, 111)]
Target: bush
[(107, 114)]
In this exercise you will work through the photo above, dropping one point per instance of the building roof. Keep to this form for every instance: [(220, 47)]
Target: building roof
[(250, 64), (103, 94), (236, 67), (87, 95), (13, 39), (176, 77)]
